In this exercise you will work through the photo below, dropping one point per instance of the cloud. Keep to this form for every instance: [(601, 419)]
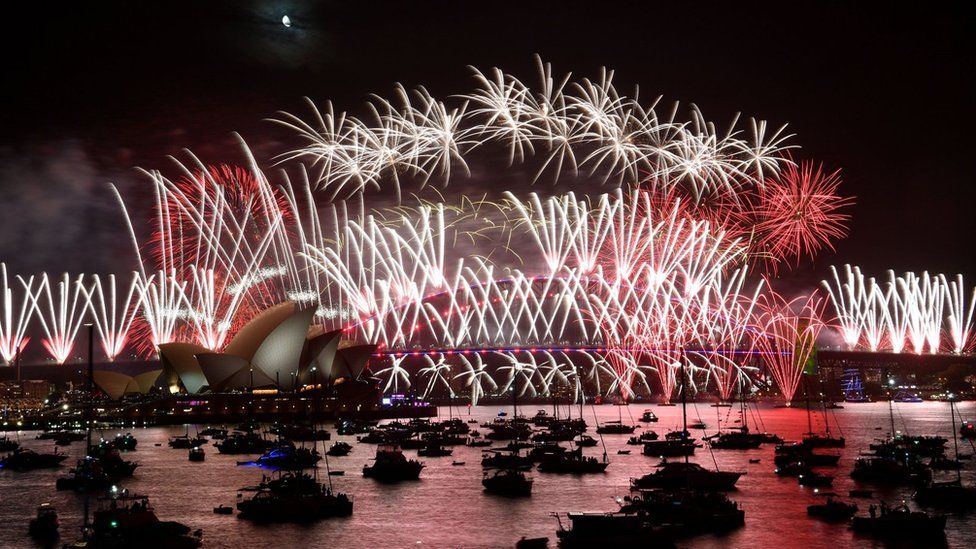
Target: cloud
[(57, 213)]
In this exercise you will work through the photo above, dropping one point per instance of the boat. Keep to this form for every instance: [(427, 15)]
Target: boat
[(123, 443), (697, 425), (23, 459), (738, 439), (479, 443), (813, 440), (507, 482), (434, 450), (623, 452), (798, 452), (457, 463), (542, 450), (648, 417), (586, 530), (615, 428), (334, 473), (286, 456), (301, 432), (128, 520), (499, 459), (185, 442), (900, 522), (907, 397), (390, 465), (215, 433), (339, 448), (8, 445), (815, 479), (44, 526), (244, 442), (676, 474), (792, 469), (573, 462), (65, 438), (223, 510), (951, 494), (832, 510), (754, 460), (685, 512), (586, 441), (967, 429), (890, 471), (646, 436), (532, 543), (196, 454), (95, 473), (293, 497), (943, 463), (670, 448)]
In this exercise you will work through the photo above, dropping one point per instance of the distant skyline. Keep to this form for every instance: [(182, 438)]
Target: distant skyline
[(95, 91)]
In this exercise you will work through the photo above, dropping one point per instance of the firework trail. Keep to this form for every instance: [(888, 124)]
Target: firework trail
[(790, 330), (112, 312), (15, 315), (61, 314)]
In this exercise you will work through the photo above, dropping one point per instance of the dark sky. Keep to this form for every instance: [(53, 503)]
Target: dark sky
[(95, 89)]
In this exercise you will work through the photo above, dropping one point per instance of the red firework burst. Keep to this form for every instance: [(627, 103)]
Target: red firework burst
[(799, 213)]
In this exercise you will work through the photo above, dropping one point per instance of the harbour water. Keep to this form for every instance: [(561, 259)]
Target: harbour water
[(447, 507)]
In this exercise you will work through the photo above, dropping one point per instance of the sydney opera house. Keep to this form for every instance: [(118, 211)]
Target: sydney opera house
[(276, 364)]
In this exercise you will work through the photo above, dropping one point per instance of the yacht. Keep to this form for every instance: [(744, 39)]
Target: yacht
[(124, 520), (648, 417), (586, 530), (685, 512), (44, 526), (507, 482), (390, 465), (293, 497), (339, 448), (900, 522), (244, 442), (832, 510), (677, 474), (573, 462), (23, 459)]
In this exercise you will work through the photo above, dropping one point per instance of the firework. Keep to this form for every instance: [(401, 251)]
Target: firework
[(790, 330), (61, 313), (799, 212), (916, 311), (112, 312), (15, 315)]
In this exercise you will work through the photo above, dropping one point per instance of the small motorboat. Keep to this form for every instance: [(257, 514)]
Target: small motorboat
[(623, 452), (223, 510), (532, 543), (337, 473), (197, 454), (814, 479), (339, 448), (832, 509), (457, 463), (754, 460), (44, 526)]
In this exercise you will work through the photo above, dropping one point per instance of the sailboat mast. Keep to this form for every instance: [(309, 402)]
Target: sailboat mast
[(684, 403), (806, 392), (88, 418), (955, 441)]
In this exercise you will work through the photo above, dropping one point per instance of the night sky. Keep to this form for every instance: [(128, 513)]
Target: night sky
[(92, 92)]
